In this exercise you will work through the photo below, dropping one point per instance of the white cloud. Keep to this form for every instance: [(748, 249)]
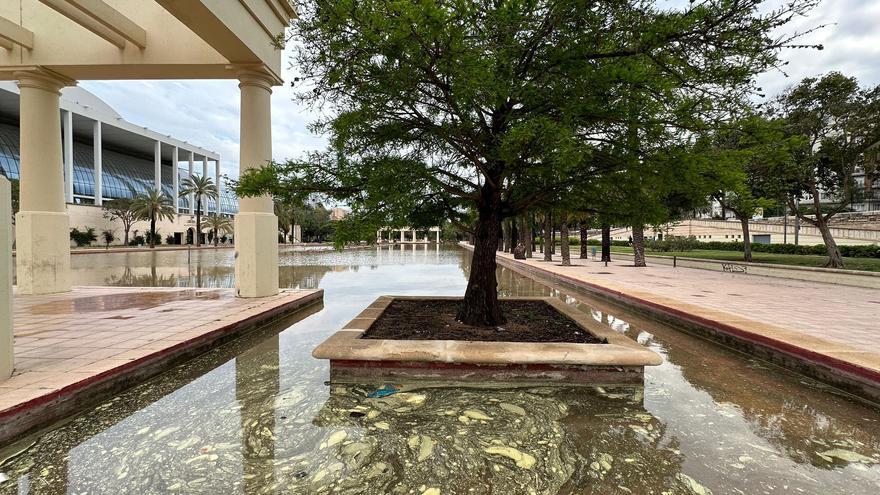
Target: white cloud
[(206, 113)]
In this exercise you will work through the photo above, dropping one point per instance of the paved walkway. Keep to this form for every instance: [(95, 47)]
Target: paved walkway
[(840, 322), (66, 343)]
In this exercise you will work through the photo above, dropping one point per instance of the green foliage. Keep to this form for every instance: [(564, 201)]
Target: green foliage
[(120, 210), (153, 206), (170, 239), (849, 251), (137, 241), (108, 237), (153, 238), (83, 237)]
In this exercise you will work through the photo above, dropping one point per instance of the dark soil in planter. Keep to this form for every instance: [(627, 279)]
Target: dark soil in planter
[(527, 321)]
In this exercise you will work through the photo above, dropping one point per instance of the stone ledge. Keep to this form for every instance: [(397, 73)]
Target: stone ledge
[(618, 361)]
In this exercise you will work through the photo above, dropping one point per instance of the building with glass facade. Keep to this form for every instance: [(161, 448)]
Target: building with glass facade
[(107, 157)]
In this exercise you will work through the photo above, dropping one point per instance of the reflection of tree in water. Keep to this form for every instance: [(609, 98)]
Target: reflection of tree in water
[(303, 276), (796, 415), (132, 277)]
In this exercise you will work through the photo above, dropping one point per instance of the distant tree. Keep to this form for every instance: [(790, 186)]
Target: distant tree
[(14, 192), (441, 107), (840, 123), (218, 225), (120, 209), (108, 237), (153, 206), (744, 155), (200, 187)]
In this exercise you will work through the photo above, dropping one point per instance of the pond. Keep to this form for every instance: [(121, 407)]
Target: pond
[(257, 416)]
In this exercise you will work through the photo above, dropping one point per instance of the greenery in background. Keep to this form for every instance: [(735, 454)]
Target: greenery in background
[(83, 237), (810, 260), (153, 206), (121, 210), (108, 237), (14, 192), (484, 109), (840, 126), (218, 225), (747, 152), (200, 187), (137, 240), (170, 239)]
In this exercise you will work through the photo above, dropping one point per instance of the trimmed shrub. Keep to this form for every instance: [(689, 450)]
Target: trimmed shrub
[(83, 237)]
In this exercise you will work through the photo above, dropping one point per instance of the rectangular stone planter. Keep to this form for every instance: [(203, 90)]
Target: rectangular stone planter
[(354, 359)]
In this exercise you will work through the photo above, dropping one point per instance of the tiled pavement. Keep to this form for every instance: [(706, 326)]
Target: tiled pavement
[(839, 321), (64, 340)]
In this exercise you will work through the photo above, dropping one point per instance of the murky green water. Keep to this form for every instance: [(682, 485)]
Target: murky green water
[(256, 416)]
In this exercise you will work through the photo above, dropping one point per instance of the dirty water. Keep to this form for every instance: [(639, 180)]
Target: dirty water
[(256, 415)]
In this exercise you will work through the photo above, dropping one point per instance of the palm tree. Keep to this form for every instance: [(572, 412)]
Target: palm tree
[(200, 187), (153, 205), (218, 225)]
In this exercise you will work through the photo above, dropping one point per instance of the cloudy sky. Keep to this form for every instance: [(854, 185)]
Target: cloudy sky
[(206, 112)]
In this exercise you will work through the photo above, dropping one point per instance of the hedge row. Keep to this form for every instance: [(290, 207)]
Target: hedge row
[(689, 244)]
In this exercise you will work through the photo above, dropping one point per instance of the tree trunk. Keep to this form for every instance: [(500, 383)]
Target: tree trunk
[(480, 306), (606, 242), (126, 235), (563, 239), (835, 260), (514, 235), (582, 226), (532, 223), (638, 243), (529, 235), (216, 238), (747, 241), (198, 221), (548, 232), (152, 231), (504, 245)]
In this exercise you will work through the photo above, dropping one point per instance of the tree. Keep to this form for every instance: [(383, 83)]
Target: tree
[(120, 209), (745, 154), (200, 187), (218, 225), (14, 192), (153, 206), (443, 107), (108, 237), (840, 124)]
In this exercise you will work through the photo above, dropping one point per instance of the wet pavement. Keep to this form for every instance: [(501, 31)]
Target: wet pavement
[(255, 415)]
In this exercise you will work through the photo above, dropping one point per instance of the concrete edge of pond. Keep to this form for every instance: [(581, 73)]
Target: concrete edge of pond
[(33, 414), (620, 361), (776, 345)]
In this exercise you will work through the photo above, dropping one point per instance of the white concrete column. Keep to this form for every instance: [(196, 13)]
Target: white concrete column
[(67, 128), (7, 361), (438, 236), (217, 181), (378, 236), (415, 237), (42, 225), (192, 197), (157, 166), (256, 227), (205, 174), (175, 178), (98, 154), (402, 235)]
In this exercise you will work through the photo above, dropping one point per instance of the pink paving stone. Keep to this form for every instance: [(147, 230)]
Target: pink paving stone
[(63, 342), (812, 314)]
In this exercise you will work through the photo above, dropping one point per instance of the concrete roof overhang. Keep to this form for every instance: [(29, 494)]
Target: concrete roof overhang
[(143, 39)]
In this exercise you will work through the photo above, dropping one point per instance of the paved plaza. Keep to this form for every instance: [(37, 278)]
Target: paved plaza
[(69, 342), (829, 320)]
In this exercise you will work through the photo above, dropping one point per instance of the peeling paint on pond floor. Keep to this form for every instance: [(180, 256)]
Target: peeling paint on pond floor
[(255, 416)]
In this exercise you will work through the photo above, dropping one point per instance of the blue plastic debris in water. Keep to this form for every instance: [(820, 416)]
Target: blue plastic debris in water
[(385, 391)]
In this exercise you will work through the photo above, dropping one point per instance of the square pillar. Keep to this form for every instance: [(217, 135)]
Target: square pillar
[(438, 236), (157, 166), (175, 179), (192, 197), (67, 128), (205, 174), (42, 224), (97, 146), (256, 226), (219, 186), (7, 362)]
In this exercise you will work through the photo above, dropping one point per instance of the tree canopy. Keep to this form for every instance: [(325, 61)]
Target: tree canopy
[(449, 108)]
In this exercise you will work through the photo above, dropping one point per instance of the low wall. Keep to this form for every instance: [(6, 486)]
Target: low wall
[(870, 280)]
